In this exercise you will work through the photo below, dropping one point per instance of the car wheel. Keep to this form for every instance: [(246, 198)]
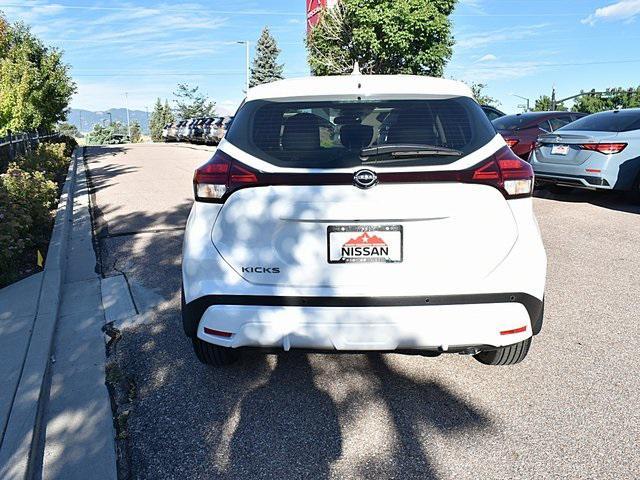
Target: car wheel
[(214, 355), (509, 355)]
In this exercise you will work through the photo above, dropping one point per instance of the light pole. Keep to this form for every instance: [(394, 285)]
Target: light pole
[(524, 98), (246, 43), (126, 100)]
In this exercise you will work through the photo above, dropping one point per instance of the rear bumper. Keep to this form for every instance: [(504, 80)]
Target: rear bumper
[(438, 323), (579, 181), (598, 172)]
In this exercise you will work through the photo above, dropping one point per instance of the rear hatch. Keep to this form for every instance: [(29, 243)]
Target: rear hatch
[(435, 234), (302, 224)]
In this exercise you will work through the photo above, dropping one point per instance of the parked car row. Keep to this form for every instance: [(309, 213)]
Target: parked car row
[(205, 130), (569, 149)]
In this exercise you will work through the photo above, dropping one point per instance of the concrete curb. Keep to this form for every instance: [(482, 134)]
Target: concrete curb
[(21, 449)]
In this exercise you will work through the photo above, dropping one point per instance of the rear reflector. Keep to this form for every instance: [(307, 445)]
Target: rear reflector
[(217, 333), (592, 170), (515, 330), (605, 148)]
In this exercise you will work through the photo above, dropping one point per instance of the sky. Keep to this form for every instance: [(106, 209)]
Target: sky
[(145, 48)]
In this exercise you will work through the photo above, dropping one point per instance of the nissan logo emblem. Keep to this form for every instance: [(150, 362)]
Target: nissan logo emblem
[(365, 179)]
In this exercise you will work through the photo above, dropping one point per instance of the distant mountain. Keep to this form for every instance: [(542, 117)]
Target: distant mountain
[(85, 119)]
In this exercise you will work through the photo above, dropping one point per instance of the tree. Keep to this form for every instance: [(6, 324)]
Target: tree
[(190, 103), (383, 36), (101, 134), (543, 104), (481, 97), (136, 132), (68, 129), (161, 116), (35, 85), (612, 99), (265, 67)]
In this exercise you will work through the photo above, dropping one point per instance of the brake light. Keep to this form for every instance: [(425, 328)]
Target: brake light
[(219, 176), (507, 172), (605, 148), (512, 142)]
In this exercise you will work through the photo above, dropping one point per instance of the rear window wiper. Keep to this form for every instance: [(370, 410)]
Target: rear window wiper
[(405, 150)]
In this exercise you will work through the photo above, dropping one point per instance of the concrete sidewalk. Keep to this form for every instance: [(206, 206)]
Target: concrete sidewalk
[(55, 411), (79, 440), (18, 307)]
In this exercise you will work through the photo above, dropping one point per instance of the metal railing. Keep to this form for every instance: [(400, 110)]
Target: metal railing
[(22, 143)]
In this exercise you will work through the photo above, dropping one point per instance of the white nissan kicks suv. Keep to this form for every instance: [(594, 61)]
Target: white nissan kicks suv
[(363, 213)]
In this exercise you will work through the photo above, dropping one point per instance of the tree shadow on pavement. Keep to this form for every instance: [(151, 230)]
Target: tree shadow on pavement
[(292, 415)]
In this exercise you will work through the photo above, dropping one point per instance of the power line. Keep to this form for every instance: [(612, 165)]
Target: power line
[(239, 73), (146, 9), (257, 12), (543, 65)]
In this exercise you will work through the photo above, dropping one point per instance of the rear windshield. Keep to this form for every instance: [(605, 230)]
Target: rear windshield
[(514, 122), (620, 121), (331, 134)]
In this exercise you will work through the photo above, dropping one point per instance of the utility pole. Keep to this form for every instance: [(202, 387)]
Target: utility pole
[(246, 43), (126, 99), (528, 107)]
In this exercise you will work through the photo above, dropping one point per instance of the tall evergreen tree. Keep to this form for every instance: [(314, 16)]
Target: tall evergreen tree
[(161, 116), (191, 103), (265, 67)]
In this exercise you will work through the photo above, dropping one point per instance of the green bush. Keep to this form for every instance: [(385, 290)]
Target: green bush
[(15, 224), (26, 201), (69, 142), (28, 194), (35, 194), (48, 158)]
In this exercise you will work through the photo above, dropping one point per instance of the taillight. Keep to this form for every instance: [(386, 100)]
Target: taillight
[(507, 172), (512, 142), (220, 176), (606, 148)]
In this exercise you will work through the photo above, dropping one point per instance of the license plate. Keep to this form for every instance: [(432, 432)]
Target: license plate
[(560, 150), (364, 243)]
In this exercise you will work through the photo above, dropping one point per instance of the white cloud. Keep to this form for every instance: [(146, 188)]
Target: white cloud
[(489, 57), (483, 39), (497, 71), (623, 10)]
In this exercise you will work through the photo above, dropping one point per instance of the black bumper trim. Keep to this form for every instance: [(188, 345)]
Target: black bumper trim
[(192, 312), (559, 178)]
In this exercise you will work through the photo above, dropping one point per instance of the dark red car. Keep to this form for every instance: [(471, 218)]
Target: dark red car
[(522, 130)]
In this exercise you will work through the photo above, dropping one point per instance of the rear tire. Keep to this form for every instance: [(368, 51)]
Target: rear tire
[(214, 355), (509, 355)]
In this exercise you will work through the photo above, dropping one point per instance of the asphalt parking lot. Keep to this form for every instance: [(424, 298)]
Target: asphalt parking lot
[(570, 410)]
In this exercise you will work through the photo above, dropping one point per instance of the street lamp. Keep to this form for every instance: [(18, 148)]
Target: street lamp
[(126, 99), (523, 98), (246, 43)]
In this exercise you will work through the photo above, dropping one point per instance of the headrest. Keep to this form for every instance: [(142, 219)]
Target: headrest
[(413, 126), (356, 136), (301, 132)]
